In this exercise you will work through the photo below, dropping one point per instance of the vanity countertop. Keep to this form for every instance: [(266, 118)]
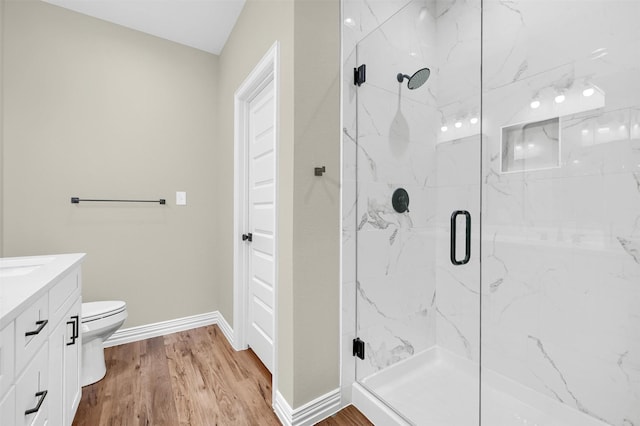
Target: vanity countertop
[(24, 279)]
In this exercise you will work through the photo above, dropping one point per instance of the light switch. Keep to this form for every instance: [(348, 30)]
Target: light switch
[(181, 198)]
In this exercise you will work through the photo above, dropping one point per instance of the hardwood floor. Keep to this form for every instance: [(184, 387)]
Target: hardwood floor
[(189, 378)]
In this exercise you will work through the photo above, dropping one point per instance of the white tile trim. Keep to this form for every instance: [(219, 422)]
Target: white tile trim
[(148, 331), (310, 413)]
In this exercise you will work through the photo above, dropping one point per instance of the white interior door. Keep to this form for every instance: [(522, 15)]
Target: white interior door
[(261, 222)]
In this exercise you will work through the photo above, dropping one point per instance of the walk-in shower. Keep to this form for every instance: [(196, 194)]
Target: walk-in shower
[(509, 292)]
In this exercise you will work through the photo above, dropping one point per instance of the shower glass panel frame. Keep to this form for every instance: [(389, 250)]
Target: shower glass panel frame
[(417, 312)]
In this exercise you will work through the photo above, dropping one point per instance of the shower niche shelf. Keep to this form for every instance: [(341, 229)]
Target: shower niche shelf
[(530, 146)]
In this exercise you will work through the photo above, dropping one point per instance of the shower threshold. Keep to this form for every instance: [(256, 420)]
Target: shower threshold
[(438, 388)]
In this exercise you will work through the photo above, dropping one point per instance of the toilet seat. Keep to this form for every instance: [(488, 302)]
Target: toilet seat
[(93, 311)]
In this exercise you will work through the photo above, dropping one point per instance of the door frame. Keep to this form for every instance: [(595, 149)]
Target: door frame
[(266, 71)]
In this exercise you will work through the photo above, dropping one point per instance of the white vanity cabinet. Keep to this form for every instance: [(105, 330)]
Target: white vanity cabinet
[(40, 350)]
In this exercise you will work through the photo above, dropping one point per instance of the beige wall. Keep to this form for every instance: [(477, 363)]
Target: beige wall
[(316, 208), (96, 110), (308, 224)]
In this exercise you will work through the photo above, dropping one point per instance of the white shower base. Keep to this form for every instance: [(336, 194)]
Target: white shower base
[(438, 388)]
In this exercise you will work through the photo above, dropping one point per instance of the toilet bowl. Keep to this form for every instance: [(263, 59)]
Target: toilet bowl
[(99, 321)]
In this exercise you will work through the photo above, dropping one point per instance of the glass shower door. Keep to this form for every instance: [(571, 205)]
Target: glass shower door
[(418, 162), (561, 213)]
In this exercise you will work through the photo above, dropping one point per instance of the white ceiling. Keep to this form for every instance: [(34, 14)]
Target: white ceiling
[(203, 24)]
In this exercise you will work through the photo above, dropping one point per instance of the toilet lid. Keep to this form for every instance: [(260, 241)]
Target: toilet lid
[(93, 310)]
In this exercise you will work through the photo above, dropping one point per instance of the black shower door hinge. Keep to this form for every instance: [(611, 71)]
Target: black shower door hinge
[(360, 75), (358, 348)]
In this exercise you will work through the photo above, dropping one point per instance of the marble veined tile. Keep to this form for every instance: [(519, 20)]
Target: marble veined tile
[(621, 200), (348, 256), (384, 253), (375, 209), (395, 116), (380, 160), (404, 294), (391, 339), (403, 44), (458, 300), (363, 16), (458, 55), (548, 305), (458, 162), (605, 393), (526, 37), (349, 154)]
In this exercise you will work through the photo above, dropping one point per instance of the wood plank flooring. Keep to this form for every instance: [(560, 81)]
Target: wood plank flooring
[(189, 378)]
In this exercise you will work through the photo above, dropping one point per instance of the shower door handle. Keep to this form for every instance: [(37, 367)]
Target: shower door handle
[(467, 250)]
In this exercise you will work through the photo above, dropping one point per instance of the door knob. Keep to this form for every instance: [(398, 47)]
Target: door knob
[(247, 237)]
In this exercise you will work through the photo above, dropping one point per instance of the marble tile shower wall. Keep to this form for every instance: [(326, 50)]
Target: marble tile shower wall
[(458, 173), (395, 252), (396, 138), (402, 257), (561, 245)]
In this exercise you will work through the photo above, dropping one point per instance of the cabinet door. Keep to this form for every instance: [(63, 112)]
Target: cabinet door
[(8, 408), (72, 361), (32, 391)]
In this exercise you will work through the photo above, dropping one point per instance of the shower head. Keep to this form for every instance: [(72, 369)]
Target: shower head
[(417, 79)]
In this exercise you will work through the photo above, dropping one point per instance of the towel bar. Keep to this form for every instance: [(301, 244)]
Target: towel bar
[(76, 200)]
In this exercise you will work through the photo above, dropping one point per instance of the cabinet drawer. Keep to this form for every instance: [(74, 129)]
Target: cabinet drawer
[(8, 408), (63, 294), (29, 391), (32, 330), (7, 343)]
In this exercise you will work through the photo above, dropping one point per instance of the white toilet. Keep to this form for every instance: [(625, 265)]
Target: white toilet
[(99, 321)]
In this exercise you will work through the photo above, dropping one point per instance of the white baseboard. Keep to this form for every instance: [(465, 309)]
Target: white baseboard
[(148, 331), (225, 328), (310, 413)]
